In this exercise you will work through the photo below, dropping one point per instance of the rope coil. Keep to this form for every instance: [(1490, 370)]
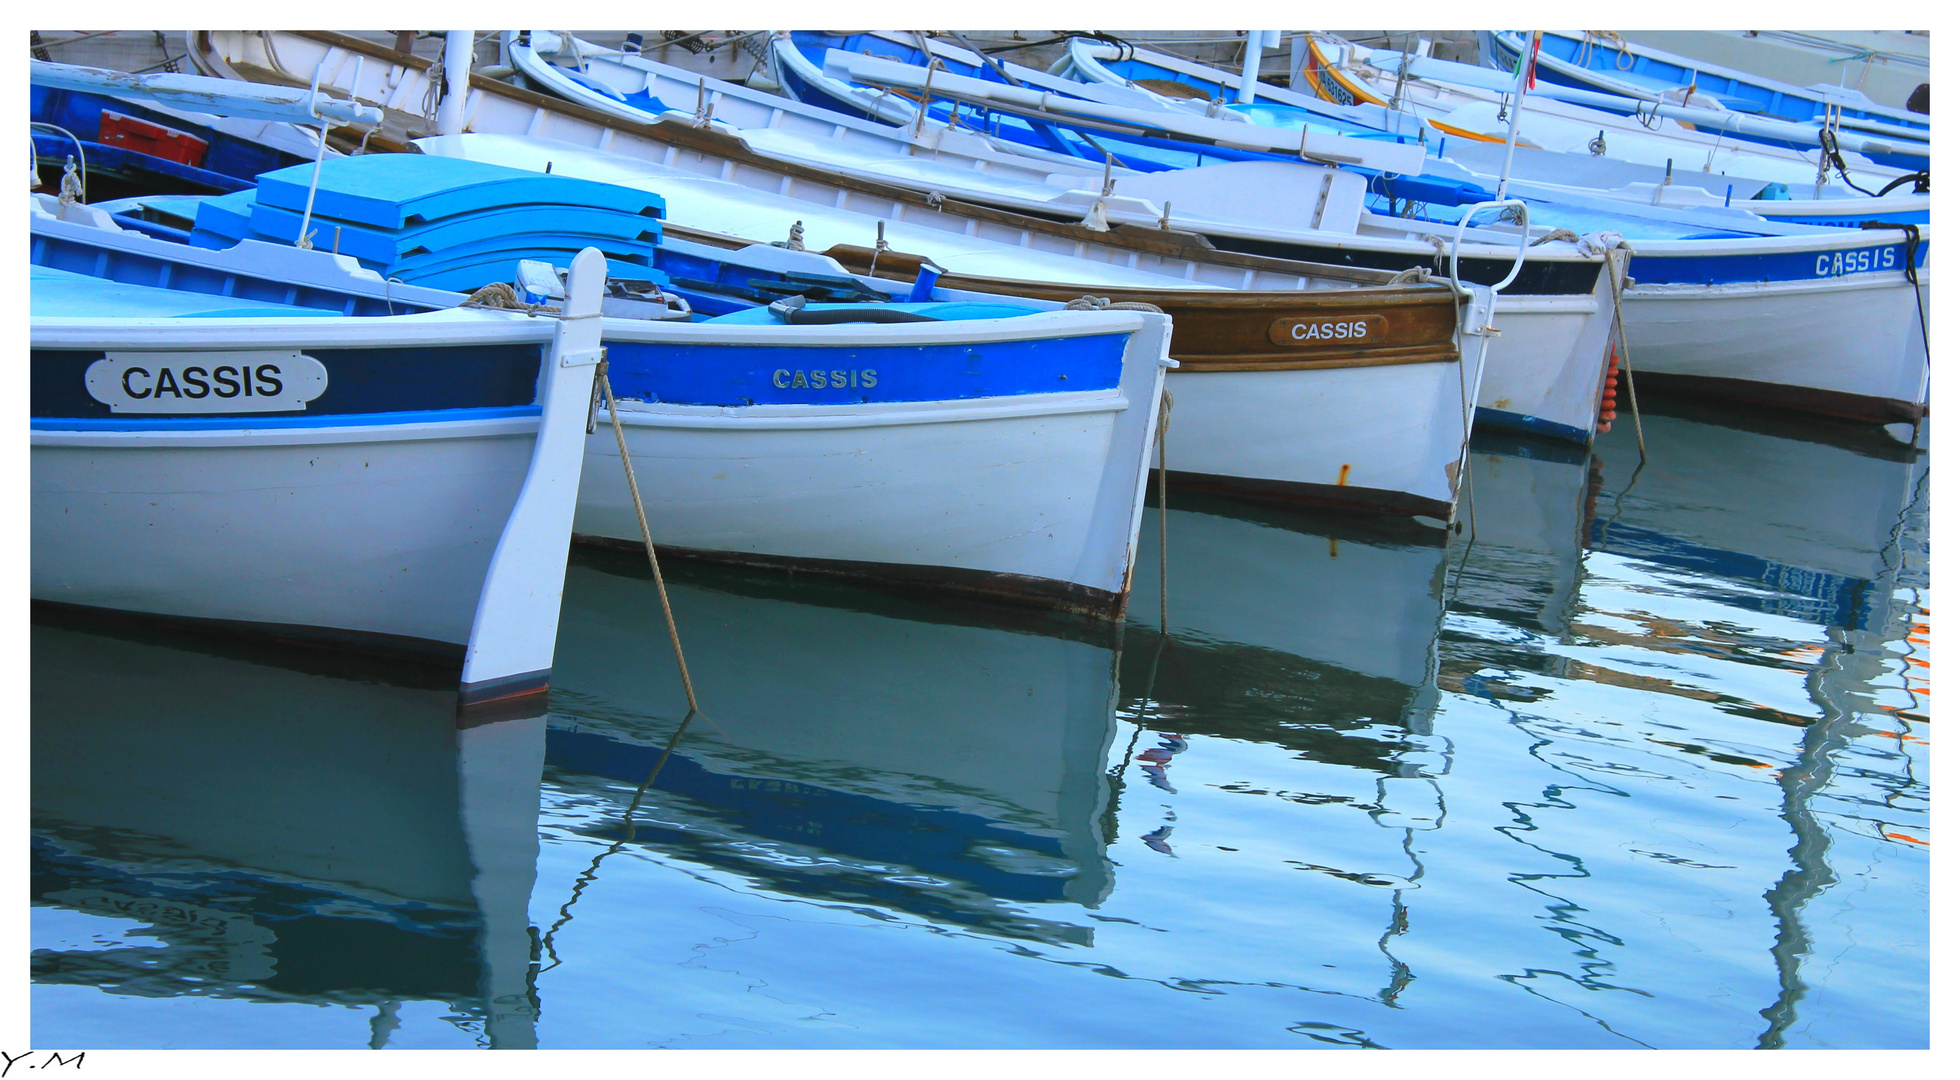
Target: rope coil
[(1104, 303)]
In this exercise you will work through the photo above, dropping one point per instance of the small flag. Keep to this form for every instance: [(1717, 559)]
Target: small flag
[(1528, 61)]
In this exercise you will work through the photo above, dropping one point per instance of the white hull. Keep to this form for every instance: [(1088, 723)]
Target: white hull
[(1547, 367), (1015, 496), (1822, 341), (382, 532), (391, 529), (1311, 434)]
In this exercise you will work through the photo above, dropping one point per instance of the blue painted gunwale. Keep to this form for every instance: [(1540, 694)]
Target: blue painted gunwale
[(132, 166), (137, 269), (1850, 221), (1779, 266), (364, 386), (740, 375)]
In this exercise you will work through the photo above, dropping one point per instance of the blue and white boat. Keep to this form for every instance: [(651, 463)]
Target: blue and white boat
[(1565, 138), (1723, 303), (370, 481), (1544, 373), (1642, 73), (992, 448)]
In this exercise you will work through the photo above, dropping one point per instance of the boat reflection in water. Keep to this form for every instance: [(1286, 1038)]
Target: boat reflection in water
[(857, 747), (1532, 502), (866, 751), (1748, 596), (1486, 771), (278, 827), (1835, 546)]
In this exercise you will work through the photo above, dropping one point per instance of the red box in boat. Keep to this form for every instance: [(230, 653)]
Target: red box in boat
[(155, 140)]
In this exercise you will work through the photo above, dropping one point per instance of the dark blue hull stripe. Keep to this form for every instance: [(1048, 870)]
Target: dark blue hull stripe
[(1785, 266), (1530, 425), (360, 381)]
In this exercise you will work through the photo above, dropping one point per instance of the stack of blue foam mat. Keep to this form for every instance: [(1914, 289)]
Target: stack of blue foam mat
[(442, 222)]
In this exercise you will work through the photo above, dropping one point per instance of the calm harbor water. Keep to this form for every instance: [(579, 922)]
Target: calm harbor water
[(1638, 760)]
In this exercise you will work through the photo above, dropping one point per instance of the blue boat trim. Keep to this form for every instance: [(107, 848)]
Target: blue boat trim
[(234, 159), (736, 375), (359, 381), (140, 269), (1852, 258), (140, 170)]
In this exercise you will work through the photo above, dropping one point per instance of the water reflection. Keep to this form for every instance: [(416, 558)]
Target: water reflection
[(1741, 545), (257, 826), (856, 749), (1636, 759), (1317, 636)]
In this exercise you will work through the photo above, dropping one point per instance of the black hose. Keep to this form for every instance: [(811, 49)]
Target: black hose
[(1921, 183)]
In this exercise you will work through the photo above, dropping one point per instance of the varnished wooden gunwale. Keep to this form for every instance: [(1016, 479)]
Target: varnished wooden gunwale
[(1229, 331), (1213, 329)]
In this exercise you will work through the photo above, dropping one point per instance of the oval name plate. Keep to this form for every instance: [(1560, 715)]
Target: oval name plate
[(1342, 330), (247, 380)]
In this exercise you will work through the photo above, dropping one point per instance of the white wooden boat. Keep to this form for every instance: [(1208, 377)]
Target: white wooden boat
[(1366, 428), (1001, 451), (1884, 65), (1544, 375), (1798, 316), (1683, 165), (270, 468), (1892, 136), (1303, 430)]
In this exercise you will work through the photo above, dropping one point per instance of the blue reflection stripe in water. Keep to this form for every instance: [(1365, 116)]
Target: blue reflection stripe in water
[(937, 841), (1835, 599)]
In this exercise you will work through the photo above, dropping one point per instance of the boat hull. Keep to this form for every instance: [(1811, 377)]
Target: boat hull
[(993, 497), (1376, 428), (375, 534), (1848, 346), (411, 492), (1546, 369), (1004, 458), (1320, 436)]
